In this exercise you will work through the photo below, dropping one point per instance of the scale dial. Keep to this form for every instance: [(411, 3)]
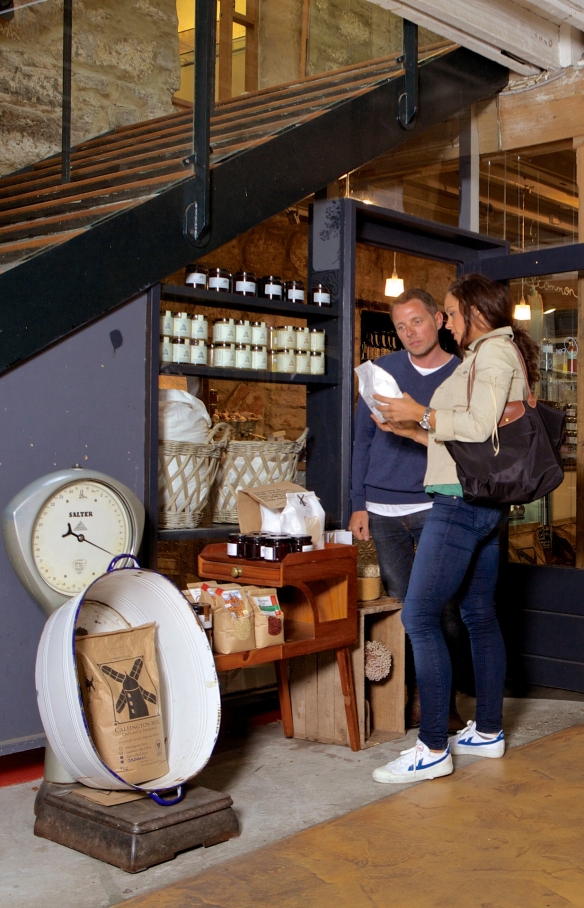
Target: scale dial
[(62, 531), (78, 531)]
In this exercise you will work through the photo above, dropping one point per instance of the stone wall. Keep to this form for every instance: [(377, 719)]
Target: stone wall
[(125, 69)]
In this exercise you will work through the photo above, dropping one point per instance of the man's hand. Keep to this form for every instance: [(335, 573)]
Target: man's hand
[(359, 525)]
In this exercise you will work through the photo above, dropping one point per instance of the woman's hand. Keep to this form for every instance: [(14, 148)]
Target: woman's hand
[(404, 429), (400, 409)]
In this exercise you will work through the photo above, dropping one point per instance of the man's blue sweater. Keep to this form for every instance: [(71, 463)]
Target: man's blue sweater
[(388, 469)]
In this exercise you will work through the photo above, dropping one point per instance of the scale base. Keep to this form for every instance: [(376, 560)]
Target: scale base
[(136, 835)]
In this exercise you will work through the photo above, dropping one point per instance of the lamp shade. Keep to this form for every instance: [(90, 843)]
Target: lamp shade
[(522, 312), (394, 285)]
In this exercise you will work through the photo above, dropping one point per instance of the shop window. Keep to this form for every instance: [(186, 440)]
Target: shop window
[(236, 67), (545, 532)]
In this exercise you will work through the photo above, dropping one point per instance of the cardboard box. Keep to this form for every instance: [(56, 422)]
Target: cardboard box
[(272, 496)]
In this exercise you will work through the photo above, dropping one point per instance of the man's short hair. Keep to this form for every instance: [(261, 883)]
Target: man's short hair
[(415, 294)]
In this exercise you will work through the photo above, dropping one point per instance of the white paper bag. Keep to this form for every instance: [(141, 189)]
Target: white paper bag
[(182, 417), (303, 514), (375, 380)]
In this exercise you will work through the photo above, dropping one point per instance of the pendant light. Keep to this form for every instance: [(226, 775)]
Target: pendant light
[(394, 285), (522, 311)]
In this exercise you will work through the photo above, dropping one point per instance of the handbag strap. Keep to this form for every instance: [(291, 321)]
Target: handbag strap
[(531, 398)]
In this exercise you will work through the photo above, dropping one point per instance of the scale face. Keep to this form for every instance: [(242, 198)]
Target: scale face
[(62, 531)]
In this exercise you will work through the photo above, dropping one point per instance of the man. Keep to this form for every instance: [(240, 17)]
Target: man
[(388, 498)]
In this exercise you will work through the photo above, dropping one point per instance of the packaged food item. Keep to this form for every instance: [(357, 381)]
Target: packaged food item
[(268, 616), (120, 687), (375, 380), (233, 628)]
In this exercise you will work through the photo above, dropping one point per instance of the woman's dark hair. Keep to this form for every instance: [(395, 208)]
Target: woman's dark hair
[(493, 302)]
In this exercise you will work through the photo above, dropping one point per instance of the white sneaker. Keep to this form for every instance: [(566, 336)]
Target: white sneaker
[(468, 741), (415, 765)]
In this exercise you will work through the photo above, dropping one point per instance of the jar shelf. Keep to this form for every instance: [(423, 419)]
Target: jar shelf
[(262, 375), (181, 294)]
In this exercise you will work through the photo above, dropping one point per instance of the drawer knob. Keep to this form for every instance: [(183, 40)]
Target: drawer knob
[(236, 572)]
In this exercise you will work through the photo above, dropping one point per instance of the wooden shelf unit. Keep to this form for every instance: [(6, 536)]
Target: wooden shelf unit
[(318, 595)]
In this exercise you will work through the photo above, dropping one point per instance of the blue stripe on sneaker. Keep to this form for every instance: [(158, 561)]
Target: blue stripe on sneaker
[(422, 765), (468, 742)]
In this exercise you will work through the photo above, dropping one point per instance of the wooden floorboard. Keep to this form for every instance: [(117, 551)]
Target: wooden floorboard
[(498, 834)]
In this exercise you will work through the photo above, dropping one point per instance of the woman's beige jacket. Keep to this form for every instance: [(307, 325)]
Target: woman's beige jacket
[(498, 379)]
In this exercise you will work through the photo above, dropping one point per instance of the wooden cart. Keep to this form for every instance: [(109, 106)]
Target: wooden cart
[(318, 595)]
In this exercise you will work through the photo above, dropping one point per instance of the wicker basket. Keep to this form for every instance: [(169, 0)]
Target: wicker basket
[(253, 463), (186, 473)]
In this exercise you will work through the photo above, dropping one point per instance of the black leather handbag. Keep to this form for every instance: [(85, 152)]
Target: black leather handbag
[(524, 466)]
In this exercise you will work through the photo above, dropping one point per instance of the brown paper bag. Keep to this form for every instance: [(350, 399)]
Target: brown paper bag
[(120, 687), (268, 616), (232, 620)]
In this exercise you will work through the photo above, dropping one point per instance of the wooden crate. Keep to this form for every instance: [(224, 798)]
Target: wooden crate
[(318, 705)]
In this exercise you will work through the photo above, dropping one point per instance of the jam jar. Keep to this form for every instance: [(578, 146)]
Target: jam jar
[(224, 356), (252, 546), (243, 356), (286, 361), (259, 357), (245, 283), (301, 543), (271, 287), (220, 279), (242, 332), (316, 363), (198, 353), (303, 362), (286, 338), (199, 327), (166, 324), (294, 291), (320, 295), (302, 341), (181, 325), (317, 340), (196, 275), (235, 545), (165, 350), (181, 351), (224, 330), (259, 334), (277, 547)]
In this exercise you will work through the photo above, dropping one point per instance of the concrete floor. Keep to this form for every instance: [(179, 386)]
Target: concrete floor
[(279, 787)]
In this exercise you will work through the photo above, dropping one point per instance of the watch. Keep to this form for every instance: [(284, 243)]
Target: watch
[(62, 531), (425, 420)]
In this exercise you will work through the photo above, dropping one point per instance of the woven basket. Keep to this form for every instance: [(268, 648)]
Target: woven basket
[(186, 473), (253, 463)]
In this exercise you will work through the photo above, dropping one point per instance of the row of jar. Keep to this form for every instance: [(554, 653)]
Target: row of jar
[(242, 356), (230, 331), (245, 283)]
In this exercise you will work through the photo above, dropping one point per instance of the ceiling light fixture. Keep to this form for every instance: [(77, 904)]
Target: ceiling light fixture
[(394, 285)]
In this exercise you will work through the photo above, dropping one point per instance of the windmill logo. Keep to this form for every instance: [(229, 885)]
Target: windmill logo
[(133, 695)]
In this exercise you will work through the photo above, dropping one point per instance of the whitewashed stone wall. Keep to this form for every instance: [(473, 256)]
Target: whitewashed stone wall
[(125, 69)]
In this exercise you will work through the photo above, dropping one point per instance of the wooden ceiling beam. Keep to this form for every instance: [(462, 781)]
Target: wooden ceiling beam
[(568, 12)]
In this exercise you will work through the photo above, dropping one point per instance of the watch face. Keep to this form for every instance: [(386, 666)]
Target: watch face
[(77, 532)]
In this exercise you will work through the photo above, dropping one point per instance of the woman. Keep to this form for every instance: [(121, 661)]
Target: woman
[(458, 552)]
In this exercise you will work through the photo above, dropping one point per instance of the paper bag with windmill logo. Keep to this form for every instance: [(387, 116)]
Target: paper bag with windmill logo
[(120, 687)]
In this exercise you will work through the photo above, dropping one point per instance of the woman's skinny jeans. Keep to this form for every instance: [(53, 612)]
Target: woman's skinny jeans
[(458, 553)]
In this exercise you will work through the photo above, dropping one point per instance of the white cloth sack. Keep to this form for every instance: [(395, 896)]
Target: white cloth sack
[(303, 514), (375, 380), (182, 417)]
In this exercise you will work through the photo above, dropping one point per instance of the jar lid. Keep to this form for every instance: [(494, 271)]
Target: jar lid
[(272, 279), (165, 340), (236, 537), (295, 284), (222, 321), (317, 330), (221, 344), (246, 274), (196, 267), (240, 346), (257, 347), (300, 537), (289, 350), (315, 352)]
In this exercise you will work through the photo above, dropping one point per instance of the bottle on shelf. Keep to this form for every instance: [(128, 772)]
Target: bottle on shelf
[(245, 283), (546, 353), (220, 279), (320, 295), (294, 291), (271, 287), (196, 275)]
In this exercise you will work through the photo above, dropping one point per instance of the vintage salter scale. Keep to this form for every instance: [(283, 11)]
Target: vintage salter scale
[(61, 533)]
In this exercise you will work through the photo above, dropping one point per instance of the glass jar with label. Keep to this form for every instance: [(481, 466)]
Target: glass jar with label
[(286, 361), (224, 356), (302, 341), (165, 350), (301, 543), (224, 330), (196, 275), (272, 337), (181, 351), (235, 545), (259, 357), (242, 356), (286, 338), (272, 361), (242, 332), (252, 546), (198, 353), (199, 327), (316, 363), (277, 547), (245, 283), (220, 279), (317, 340), (259, 334), (271, 287), (181, 325), (320, 295), (303, 362), (166, 324), (294, 291)]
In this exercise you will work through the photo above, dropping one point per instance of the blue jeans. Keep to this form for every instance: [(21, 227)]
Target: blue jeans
[(394, 539), (458, 552)]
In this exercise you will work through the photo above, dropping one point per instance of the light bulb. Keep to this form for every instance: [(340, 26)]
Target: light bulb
[(394, 285)]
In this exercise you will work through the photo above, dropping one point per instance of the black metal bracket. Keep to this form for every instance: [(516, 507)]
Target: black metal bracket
[(198, 213), (66, 98), (407, 107)]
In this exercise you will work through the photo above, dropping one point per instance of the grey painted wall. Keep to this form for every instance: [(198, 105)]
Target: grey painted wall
[(82, 402)]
